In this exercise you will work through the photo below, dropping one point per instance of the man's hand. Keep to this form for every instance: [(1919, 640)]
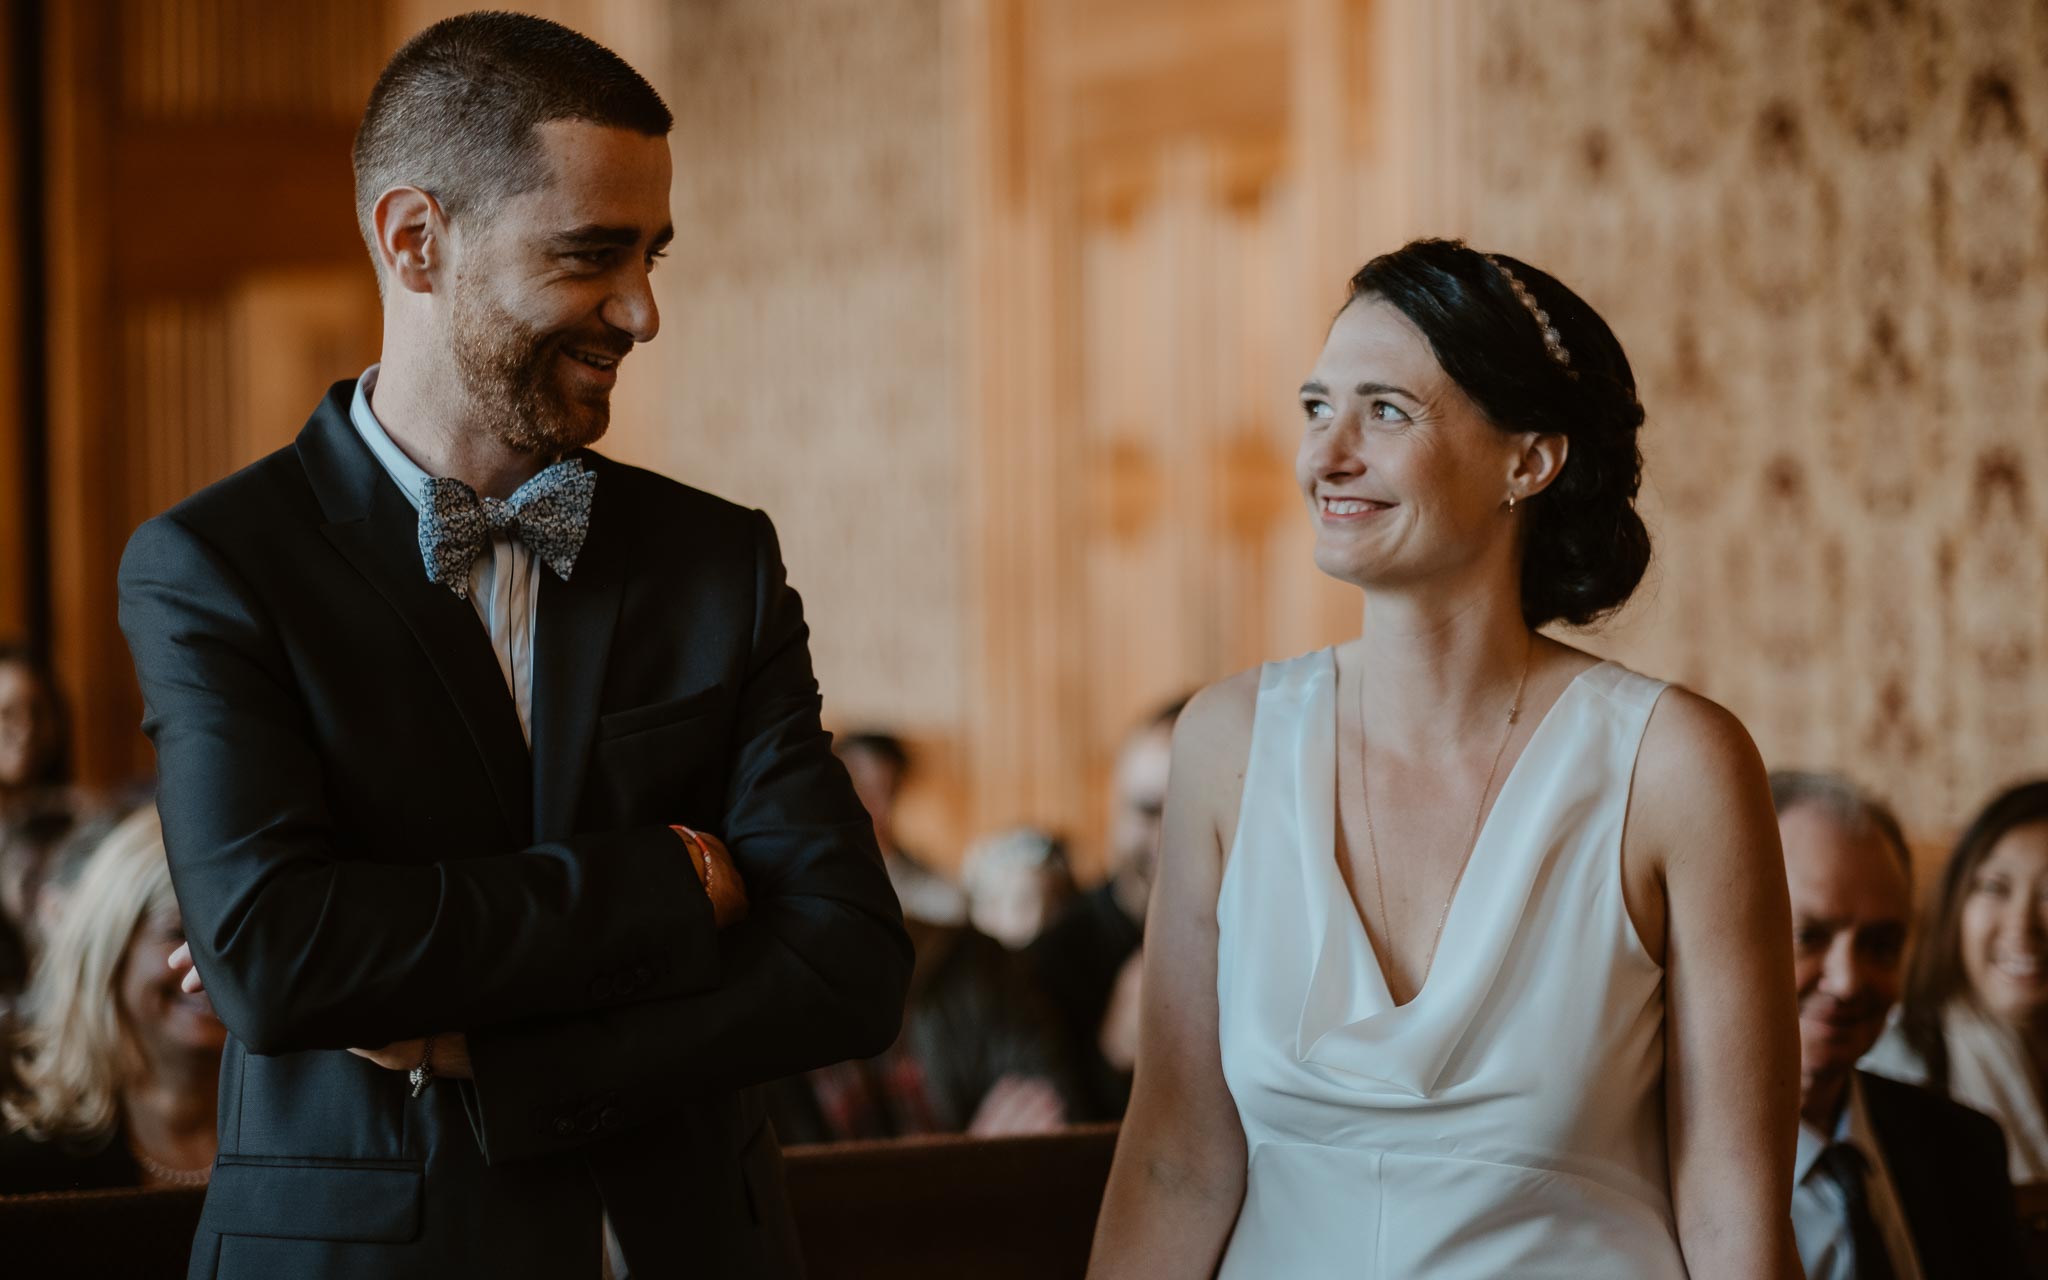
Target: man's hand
[(451, 1055), (1018, 1104), (451, 1050), (180, 961), (716, 872)]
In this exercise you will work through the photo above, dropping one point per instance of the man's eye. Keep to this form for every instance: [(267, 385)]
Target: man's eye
[(591, 257)]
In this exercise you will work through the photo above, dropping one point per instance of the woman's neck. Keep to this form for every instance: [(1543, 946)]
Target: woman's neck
[(173, 1112), (1434, 671)]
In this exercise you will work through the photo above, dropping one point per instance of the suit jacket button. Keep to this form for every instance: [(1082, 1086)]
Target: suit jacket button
[(611, 1117), (564, 1125), (641, 977), (601, 987)]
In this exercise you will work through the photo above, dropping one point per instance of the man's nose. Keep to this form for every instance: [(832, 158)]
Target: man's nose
[(631, 307), (1841, 974)]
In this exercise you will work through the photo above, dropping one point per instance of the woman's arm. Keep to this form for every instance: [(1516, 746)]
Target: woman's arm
[(1178, 1179), (1701, 815)]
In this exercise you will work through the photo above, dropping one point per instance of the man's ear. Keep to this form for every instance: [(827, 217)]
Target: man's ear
[(1538, 465), (412, 238)]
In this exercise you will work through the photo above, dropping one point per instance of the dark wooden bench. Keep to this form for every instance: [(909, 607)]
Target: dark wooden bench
[(918, 1209), (2032, 1201)]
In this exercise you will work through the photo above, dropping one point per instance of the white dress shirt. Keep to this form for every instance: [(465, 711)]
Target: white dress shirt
[(504, 586), (1819, 1212)]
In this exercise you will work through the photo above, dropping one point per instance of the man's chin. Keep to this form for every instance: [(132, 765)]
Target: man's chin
[(566, 428), (1836, 1048)]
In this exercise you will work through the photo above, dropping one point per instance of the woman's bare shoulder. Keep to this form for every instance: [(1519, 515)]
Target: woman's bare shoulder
[(1212, 743), (1697, 770), (1220, 715)]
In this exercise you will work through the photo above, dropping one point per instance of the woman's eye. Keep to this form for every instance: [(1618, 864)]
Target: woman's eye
[(1991, 888), (1318, 410), (1384, 412)]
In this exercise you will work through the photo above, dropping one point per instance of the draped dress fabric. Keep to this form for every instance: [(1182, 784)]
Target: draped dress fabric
[(1508, 1120)]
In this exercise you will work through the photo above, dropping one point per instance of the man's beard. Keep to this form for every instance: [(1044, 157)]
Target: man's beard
[(508, 374)]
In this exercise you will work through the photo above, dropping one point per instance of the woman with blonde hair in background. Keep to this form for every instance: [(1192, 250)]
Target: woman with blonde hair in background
[(116, 1076)]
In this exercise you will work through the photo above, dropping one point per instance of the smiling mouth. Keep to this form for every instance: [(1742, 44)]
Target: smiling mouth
[(2021, 968), (1352, 508), (602, 363)]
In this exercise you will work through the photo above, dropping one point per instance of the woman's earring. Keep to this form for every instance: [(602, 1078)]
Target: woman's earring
[(1511, 503)]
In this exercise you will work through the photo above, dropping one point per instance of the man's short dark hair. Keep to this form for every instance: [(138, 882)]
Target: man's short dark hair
[(455, 110), (1845, 802)]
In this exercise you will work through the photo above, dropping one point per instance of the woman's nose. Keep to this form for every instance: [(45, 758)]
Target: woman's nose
[(1335, 454)]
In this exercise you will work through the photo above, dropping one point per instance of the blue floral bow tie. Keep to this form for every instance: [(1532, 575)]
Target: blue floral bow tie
[(550, 514)]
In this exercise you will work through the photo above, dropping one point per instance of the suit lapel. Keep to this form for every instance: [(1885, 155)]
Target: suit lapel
[(573, 638), (370, 522)]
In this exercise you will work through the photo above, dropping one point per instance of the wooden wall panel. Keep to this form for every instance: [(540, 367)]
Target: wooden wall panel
[(16, 574), (198, 155), (1152, 277)]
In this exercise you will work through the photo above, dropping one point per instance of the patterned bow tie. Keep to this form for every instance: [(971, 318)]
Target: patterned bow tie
[(550, 514)]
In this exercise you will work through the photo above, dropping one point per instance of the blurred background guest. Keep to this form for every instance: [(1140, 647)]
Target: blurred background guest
[(880, 765), (979, 1053), (68, 858), (36, 806), (1975, 1020), (1016, 881), (1087, 959), (1890, 1180), (117, 1073)]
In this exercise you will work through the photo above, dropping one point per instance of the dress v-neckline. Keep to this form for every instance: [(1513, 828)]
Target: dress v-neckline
[(1480, 841)]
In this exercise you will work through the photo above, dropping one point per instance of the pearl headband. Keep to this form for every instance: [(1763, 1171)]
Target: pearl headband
[(1551, 341)]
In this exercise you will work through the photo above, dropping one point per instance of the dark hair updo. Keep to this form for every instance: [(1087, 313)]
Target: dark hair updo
[(1584, 547)]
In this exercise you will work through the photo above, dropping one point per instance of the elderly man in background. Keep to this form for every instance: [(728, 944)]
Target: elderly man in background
[(1891, 1182)]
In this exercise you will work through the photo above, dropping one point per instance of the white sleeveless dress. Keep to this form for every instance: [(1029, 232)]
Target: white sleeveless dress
[(1509, 1120)]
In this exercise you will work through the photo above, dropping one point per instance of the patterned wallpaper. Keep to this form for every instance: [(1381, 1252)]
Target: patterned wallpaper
[(1820, 228), (1821, 231), (809, 332)]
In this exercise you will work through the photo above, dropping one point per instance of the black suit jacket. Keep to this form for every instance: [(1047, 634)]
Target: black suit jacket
[(1947, 1164), (365, 851)]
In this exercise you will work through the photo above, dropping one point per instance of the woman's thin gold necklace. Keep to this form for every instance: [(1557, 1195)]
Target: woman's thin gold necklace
[(1471, 843)]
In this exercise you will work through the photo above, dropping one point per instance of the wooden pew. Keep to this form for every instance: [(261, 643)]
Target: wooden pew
[(917, 1209), (2032, 1202)]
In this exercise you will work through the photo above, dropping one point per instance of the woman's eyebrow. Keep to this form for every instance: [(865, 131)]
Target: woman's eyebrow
[(1382, 388)]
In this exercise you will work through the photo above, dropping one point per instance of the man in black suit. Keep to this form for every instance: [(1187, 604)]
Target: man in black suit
[(1891, 1181), (442, 702)]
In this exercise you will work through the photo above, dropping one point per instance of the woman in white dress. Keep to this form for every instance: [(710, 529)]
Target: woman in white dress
[(1469, 954)]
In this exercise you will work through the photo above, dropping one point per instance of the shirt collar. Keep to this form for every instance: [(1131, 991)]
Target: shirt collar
[(1851, 1126), (404, 472)]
